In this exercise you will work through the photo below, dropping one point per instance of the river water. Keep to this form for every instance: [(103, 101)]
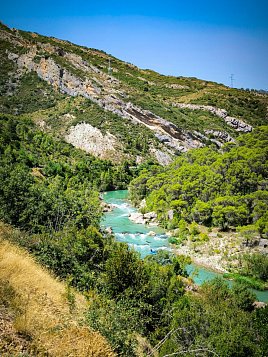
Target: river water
[(141, 238)]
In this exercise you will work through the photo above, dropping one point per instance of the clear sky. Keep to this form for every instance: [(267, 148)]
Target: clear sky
[(204, 39)]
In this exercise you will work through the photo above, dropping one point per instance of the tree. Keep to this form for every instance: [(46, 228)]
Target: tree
[(201, 212), (123, 270), (227, 216)]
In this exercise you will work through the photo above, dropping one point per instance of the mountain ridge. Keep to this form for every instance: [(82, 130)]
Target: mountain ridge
[(172, 114)]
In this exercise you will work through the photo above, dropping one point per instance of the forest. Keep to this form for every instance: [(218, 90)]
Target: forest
[(49, 193), (46, 183), (227, 189)]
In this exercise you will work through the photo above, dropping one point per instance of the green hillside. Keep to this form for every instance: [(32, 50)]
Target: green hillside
[(151, 116), (226, 189), (204, 189), (70, 127)]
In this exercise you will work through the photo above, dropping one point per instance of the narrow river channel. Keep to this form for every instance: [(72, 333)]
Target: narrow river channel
[(141, 238)]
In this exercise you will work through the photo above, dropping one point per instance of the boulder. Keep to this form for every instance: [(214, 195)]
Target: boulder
[(170, 214), (153, 223), (109, 230), (259, 304), (151, 234), (106, 207), (137, 217), (142, 203), (150, 215)]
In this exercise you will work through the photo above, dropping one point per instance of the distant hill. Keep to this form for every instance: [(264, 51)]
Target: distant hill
[(113, 109)]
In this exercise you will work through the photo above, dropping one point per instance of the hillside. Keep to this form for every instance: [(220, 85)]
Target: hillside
[(40, 315), (119, 112), (214, 203), (58, 98)]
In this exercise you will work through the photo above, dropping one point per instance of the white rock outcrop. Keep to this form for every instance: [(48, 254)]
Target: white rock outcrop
[(86, 137), (237, 124), (147, 218)]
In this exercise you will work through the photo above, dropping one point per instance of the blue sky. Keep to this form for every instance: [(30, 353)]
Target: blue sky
[(203, 39)]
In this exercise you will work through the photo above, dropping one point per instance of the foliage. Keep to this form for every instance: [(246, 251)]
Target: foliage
[(118, 321), (50, 190), (255, 265), (29, 94), (47, 184), (217, 321), (246, 280), (227, 189)]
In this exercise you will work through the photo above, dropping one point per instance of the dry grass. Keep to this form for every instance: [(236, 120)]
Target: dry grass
[(192, 96), (41, 309)]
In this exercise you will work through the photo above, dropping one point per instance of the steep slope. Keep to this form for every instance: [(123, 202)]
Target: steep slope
[(127, 113), (38, 314)]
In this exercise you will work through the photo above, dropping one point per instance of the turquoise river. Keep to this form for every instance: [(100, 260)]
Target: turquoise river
[(140, 237)]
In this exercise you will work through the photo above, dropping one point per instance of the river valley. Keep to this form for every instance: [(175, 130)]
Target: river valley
[(149, 239)]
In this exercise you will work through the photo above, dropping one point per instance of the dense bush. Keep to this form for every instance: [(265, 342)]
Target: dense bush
[(255, 265), (217, 321)]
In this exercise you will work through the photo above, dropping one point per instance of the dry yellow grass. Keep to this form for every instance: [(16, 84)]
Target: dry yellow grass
[(42, 310), (192, 96)]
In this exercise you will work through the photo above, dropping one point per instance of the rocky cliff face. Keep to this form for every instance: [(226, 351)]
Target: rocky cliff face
[(84, 136), (81, 72), (107, 97), (237, 124), (167, 132)]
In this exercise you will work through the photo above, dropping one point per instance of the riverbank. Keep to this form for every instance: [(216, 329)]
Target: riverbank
[(213, 256), (220, 251), (217, 253), (207, 247)]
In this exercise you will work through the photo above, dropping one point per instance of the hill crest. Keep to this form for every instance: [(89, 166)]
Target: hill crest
[(140, 113)]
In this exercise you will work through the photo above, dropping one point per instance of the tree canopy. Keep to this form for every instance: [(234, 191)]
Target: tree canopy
[(224, 189)]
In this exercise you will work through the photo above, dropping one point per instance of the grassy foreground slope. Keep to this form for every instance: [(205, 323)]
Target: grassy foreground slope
[(39, 315)]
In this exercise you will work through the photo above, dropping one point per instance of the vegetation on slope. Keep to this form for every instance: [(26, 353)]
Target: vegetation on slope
[(154, 91), (145, 88), (227, 189), (46, 183), (130, 299), (49, 190), (38, 314), (217, 322), (134, 303)]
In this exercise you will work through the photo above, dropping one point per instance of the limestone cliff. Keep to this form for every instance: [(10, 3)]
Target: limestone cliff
[(138, 97)]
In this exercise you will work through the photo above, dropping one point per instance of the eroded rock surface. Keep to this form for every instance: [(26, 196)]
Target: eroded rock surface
[(237, 124), (85, 136), (103, 91), (71, 74)]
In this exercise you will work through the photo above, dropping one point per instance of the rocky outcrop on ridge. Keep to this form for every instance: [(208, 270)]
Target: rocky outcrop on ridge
[(100, 92), (221, 135), (235, 123), (126, 91)]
